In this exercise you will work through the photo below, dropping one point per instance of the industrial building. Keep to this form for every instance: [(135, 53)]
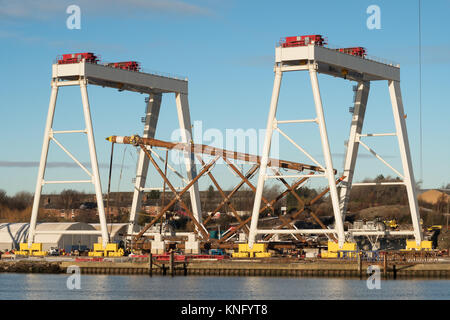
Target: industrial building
[(12, 234)]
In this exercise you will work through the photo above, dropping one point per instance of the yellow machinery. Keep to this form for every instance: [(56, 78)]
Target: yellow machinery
[(34, 250), (434, 227), (391, 224), (111, 250), (412, 245), (349, 248), (259, 250)]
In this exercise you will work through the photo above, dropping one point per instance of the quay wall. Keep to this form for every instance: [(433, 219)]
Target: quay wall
[(234, 268)]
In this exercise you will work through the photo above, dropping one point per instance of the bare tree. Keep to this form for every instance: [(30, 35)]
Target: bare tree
[(70, 199)]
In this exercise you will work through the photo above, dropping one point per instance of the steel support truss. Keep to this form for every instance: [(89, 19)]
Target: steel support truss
[(339, 198), (147, 146), (151, 120), (355, 139), (84, 73), (49, 135)]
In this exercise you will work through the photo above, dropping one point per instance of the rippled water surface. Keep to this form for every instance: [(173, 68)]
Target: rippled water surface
[(49, 286)]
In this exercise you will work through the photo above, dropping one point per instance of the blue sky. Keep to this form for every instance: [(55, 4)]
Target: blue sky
[(226, 49)]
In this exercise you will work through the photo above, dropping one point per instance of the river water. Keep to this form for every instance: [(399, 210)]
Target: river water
[(92, 287)]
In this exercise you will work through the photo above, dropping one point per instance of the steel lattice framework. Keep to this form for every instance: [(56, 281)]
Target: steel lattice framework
[(147, 145)]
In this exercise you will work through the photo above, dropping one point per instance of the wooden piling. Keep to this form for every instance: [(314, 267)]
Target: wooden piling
[(150, 264), (359, 265), (171, 265)]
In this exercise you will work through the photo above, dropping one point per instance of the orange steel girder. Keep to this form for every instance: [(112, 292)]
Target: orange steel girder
[(235, 189), (268, 205), (177, 197), (296, 214), (225, 154), (204, 149), (214, 181)]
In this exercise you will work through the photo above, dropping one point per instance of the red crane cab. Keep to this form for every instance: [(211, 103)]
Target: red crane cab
[(298, 41), (77, 57)]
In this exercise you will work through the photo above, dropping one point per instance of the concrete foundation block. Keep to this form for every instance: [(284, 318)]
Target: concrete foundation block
[(242, 237), (192, 245), (158, 245)]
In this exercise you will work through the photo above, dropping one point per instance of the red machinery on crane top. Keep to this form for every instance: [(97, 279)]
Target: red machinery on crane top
[(126, 65), (355, 51), (77, 57), (92, 58), (319, 40), (297, 41)]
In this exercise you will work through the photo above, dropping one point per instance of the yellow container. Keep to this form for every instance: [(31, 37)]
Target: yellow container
[(263, 254), (348, 246), (328, 254), (39, 253), (333, 246), (36, 246), (257, 247), (24, 247), (243, 247), (412, 245), (112, 247), (97, 254), (427, 245), (115, 254), (98, 247), (91, 253), (240, 255), (21, 253)]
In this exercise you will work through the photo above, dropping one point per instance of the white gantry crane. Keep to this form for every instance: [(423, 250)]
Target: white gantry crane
[(312, 56), (86, 71)]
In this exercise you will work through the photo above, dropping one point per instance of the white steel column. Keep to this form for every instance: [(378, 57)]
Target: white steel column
[(359, 110), (42, 163), (265, 156), (151, 120), (329, 170), (402, 135), (94, 163), (184, 120)]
